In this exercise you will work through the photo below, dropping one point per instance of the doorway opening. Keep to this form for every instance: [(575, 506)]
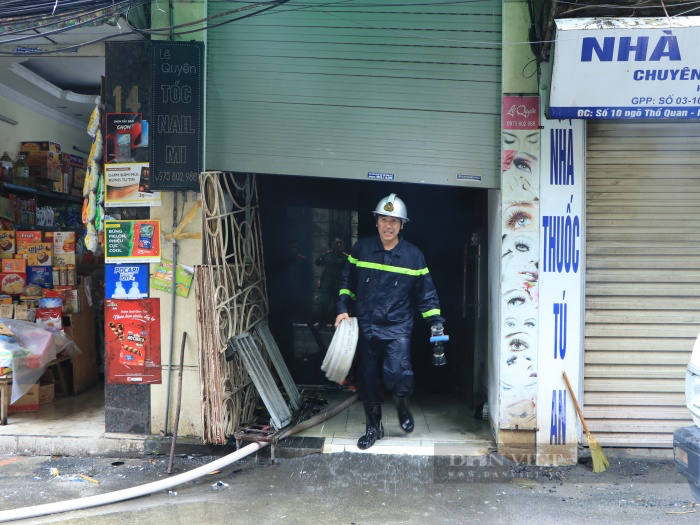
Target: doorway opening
[(303, 217)]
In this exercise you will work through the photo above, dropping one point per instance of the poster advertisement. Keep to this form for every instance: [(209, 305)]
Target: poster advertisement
[(520, 183), (128, 184), (132, 341), (126, 281), (163, 278), (132, 241), (125, 132)]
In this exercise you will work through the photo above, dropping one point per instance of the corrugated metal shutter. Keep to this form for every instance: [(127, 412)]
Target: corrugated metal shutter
[(642, 278), (342, 89)]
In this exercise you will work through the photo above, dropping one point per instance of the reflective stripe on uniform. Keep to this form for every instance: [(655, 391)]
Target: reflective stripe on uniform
[(387, 268), (430, 313), (345, 291)]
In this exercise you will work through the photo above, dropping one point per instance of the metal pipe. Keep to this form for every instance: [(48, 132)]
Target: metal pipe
[(179, 402), (163, 484), (172, 318)]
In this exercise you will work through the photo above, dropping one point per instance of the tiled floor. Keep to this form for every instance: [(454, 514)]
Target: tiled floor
[(75, 416), (438, 418)]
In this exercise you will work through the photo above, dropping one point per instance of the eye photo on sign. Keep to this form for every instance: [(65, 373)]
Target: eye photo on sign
[(520, 164), (519, 264)]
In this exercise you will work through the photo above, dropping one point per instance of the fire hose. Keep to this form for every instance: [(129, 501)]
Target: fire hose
[(164, 484), (341, 351)]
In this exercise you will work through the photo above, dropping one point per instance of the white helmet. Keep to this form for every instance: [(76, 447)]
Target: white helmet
[(392, 206)]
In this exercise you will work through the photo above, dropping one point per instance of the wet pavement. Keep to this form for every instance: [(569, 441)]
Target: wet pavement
[(354, 489)]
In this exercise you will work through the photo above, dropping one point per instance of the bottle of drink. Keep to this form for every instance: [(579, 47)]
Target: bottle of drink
[(21, 171), (7, 167)]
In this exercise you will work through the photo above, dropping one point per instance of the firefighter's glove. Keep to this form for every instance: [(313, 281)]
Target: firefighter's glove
[(438, 340)]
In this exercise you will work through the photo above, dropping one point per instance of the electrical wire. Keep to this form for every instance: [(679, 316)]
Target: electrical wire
[(67, 47), (49, 21), (629, 7), (123, 7), (167, 29), (50, 8), (318, 7)]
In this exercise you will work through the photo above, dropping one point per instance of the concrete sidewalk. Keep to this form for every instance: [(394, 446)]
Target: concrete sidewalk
[(356, 489)]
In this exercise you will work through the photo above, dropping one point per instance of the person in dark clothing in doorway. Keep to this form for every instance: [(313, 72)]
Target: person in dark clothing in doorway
[(384, 282), (332, 263)]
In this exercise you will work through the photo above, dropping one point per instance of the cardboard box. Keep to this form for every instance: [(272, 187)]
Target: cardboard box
[(50, 172), (36, 253), (74, 168), (71, 302), (7, 241), (13, 266), (29, 402), (41, 147), (7, 311), (61, 260), (72, 161), (12, 283), (47, 388), (64, 243), (40, 275), (50, 317), (24, 313), (26, 236), (5, 299), (43, 159), (58, 185)]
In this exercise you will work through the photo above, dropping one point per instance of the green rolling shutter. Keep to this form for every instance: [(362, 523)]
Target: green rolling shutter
[(347, 88)]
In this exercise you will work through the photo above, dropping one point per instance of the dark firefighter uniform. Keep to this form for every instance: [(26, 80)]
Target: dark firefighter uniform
[(383, 289)]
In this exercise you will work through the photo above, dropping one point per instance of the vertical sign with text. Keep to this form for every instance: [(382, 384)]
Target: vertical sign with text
[(176, 132), (561, 270), (520, 192)]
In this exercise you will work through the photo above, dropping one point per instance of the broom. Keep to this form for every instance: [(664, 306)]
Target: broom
[(600, 462)]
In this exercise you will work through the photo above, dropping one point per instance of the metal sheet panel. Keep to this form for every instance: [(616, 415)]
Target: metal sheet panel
[(642, 279), (409, 93)]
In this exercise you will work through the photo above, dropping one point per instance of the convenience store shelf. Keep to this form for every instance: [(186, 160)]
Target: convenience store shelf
[(55, 195)]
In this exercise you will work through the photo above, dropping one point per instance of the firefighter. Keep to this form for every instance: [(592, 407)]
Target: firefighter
[(384, 282), (332, 263)]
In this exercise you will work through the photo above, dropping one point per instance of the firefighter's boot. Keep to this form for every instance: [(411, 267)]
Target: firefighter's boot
[(405, 416), (375, 429)]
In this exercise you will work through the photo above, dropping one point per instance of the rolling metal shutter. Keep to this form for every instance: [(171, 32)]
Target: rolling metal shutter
[(642, 278), (347, 88)]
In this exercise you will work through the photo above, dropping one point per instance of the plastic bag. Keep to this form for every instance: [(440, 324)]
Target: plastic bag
[(95, 119), (28, 349)]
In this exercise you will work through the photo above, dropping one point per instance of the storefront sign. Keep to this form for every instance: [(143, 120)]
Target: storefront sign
[(132, 241), (126, 281), (634, 68), (520, 245), (561, 286), (132, 341), (176, 133), (128, 185)]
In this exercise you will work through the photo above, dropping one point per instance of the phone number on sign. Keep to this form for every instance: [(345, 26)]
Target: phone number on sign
[(176, 176), (667, 101)]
